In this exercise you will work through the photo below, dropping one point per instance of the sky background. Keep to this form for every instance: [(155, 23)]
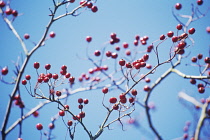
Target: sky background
[(127, 19)]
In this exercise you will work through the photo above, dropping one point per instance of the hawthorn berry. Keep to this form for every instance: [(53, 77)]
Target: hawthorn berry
[(179, 26), (80, 106), (135, 42), (137, 37), (88, 38), (24, 82), (36, 65), (113, 35), (82, 114), (105, 90), (124, 100), (71, 79), (52, 34), (83, 3), (26, 36), (128, 65), (15, 13), (71, 1), (2, 3), (117, 48), (193, 81), (162, 37), (115, 106), (201, 89), (55, 76), (80, 100), (181, 45), (113, 100), (47, 66), (58, 93), (67, 75), (194, 59), (8, 11), (97, 53), (86, 101), (145, 38), (89, 4), (69, 123), (108, 53), (51, 126), (200, 56), (4, 71), (114, 55), (208, 29), (199, 2), (191, 31), (61, 113), (39, 126), (146, 57), (207, 60), (39, 80), (148, 66), (147, 80), (134, 92), (19, 139), (94, 9), (131, 99), (174, 38), (66, 107), (64, 67), (146, 88), (170, 34), (46, 79), (122, 62), (178, 6), (35, 113), (125, 45)]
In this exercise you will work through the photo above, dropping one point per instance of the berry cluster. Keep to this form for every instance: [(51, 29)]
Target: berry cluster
[(8, 11), (88, 4)]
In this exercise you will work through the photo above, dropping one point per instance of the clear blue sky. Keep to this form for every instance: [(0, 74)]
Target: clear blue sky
[(126, 18)]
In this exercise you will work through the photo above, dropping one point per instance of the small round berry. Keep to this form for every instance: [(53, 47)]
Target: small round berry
[(19, 139), (4, 71), (67, 75), (131, 99), (26, 36), (80, 106), (15, 13), (69, 123), (200, 56), (28, 77), (46, 79), (52, 34), (88, 38), (114, 55), (181, 45), (207, 60), (113, 35), (201, 89), (146, 57), (179, 26), (113, 100), (2, 3), (94, 9), (62, 113), (51, 126), (108, 53), (82, 114), (191, 31), (122, 62), (208, 29), (58, 93), (137, 37), (66, 107), (35, 113), (47, 66), (117, 48), (199, 2), (89, 4), (194, 59), (55, 76), (80, 100), (97, 53), (64, 67), (24, 82), (83, 3), (71, 79), (134, 92), (124, 100), (174, 38), (146, 88), (125, 45), (86, 101), (178, 6), (105, 90), (39, 126), (8, 11), (115, 106), (36, 65), (135, 42), (193, 81), (162, 37), (128, 65), (170, 34), (128, 52)]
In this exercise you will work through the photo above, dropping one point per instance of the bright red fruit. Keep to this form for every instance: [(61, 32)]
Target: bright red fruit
[(80, 100), (86, 101), (181, 45), (131, 99), (69, 123), (66, 106), (94, 9), (51, 126), (58, 93), (179, 26), (82, 114), (72, 1), (207, 60), (71, 79), (200, 56), (36, 65), (19, 139), (52, 34), (105, 90), (64, 67), (97, 53), (62, 113), (146, 88), (170, 34), (67, 75), (113, 35), (178, 6), (89, 4), (8, 11), (162, 37), (199, 2), (193, 81), (36, 114), (39, 126), (125, 45), (122, 62), (24, 82), (134, 92), (47, 66), (83, 3), (113, 100), (191, 31), (2, 4), (26, 36), (201, 89), (88, 38), (194, 59), (208, 29), (28, 77), (115, 107), (15, 13), (114, 55), (55, 76), (174, 38), (4, 71)]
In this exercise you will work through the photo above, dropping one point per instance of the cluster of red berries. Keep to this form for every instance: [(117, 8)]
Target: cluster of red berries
[(114, 39), (27, 36), (87, 4), (178, 6), (18, 101), (200, 86), (8, 10)]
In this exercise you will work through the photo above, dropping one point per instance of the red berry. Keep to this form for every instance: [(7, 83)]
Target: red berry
[(39, 126), (69, 123), (146, 57), (200, 56), (122, 62), (67, 75), (114, 55), (194, 59), (131, 99), (113, 35), (19, 139), (80, 100), (2, 3), (72, 1), (201, 89), (86, 101), (71, 79), (26, 36), (191, 31), (108, 54), (124, 100), (58, 93), (193, 81), (146, 88), (208, 29), (83, 3), (80, 106), (147, 80), (4, 71), (199, 2), (145, 38), (55, 76), (39, 80), (105, 90), (66, 107), (170, 34), (94, 9), (88, 38), (97, 53), (15, 13), (181, 45), (179, 26), (125, 45), (113, 100), (36, 65), (136, 42), (62, 113), (174, 38), (24, 82), (52, 34), (51, 126), (46, 79), (115, 107), (28, 77), (8, 11), (36, 114), (128, 52), (82, 114), (89, 4), (207, 60), (178, 6), (137, 37), (134, 92), (117, 48), (162, 37), (122, 96), (148, 66), (64, 67), (47, 66), (128, 65)]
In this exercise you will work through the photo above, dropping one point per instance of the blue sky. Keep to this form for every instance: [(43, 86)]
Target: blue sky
[(127, 19)]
